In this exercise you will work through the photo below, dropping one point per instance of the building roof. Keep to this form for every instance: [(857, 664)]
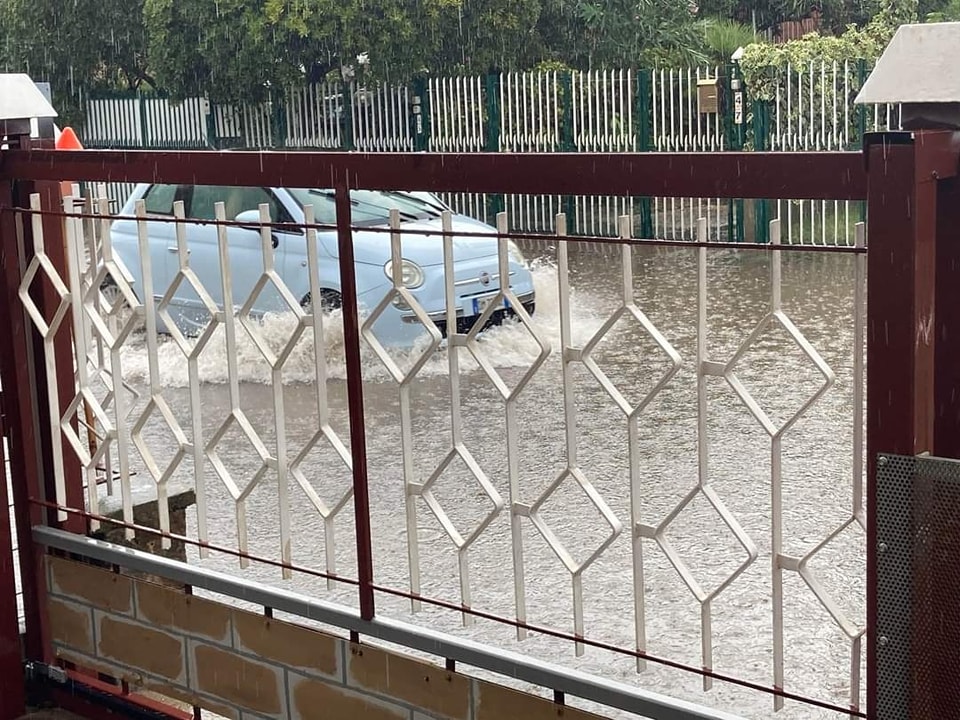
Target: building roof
[(20, 99), (920, 65)]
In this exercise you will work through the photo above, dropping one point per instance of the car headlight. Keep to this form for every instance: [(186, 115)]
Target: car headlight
[(513, 250), (411, 274)]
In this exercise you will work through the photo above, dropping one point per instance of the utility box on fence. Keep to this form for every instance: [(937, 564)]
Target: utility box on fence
[(918, 70), (708, 96)]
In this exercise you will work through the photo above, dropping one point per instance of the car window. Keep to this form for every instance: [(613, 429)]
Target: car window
[(236, 200), (159, 199), (323, 202), (370, 207)]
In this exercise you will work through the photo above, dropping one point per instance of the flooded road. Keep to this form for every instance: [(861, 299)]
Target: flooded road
[(818, 293)]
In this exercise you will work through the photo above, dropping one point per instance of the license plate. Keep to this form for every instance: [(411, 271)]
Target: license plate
[(481, 304)]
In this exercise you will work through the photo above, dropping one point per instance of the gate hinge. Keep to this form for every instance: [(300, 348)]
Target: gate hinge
[(36, 670)]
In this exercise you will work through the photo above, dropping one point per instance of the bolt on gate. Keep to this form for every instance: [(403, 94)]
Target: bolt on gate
[(83, 458)]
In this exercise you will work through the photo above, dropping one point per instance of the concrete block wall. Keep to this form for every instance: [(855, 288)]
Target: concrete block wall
[(243, 665)]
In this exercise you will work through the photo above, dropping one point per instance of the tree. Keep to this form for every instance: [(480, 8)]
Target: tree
[(762, 63), (939, 10), (478, 36), (835, 15), (592, 34), (83, 44), (235, 49)]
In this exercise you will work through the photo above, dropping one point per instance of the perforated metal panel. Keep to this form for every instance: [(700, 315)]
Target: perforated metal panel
[(918, 588)]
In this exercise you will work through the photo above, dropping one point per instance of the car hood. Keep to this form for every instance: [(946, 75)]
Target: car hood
[(427, 249)]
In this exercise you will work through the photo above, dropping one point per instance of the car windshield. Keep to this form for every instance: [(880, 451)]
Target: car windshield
[(369, 207)]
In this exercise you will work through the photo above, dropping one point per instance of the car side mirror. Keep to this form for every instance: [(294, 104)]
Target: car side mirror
[(250, 220)]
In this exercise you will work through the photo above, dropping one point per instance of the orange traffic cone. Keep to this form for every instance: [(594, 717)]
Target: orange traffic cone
[(68, 140)]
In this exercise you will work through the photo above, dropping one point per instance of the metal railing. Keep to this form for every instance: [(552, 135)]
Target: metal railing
[(798, 108), (526, 530)]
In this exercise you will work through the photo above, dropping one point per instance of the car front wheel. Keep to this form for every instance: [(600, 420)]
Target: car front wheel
[(330, 300)]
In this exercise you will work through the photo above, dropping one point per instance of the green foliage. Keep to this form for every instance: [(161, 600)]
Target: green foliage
[(763, 63), (940, 11), (625, 33), (766, 13), (239, 49), (85, 44), (242, 50), (723, 37)]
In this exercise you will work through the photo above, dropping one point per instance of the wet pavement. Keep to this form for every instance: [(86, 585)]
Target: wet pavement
[(817, 470)]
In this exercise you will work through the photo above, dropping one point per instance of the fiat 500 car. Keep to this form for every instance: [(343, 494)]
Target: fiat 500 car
[(476, 270)]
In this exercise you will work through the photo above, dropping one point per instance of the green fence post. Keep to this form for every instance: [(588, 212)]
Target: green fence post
[(567, 142), (644, 108), (495, 203), (279, 120), (346, 116), (213, 141), (144, 140), (420, 114), (734, 116), (761, 143)]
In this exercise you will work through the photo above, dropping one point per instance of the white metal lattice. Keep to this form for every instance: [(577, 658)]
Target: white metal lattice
[(103, 326)]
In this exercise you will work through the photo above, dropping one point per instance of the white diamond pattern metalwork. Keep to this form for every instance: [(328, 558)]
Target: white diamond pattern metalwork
[(157, 403), (505, 295), (97, 445), (41, 263), (399, 291), (703, 489), (325, 432), (100, 332), (414, 488), (238, 417)]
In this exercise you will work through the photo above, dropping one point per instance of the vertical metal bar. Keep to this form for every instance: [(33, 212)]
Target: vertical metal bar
[(119, 404), (74, 238), (900, 352), (946, 440), (150, 321), (279, 412), (320, 384), (859, 376), (192, 353), (703, 456), (12, 698), (233, 384), (358, 433), (20, 405), (776, 494)]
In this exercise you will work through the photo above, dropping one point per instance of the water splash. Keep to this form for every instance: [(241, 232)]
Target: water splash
[(509, 345)]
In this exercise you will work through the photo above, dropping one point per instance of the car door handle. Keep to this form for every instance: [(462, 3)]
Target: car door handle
[(174, 249), (275, 240)]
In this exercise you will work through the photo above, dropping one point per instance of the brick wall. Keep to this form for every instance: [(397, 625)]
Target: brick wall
[(242, 665)]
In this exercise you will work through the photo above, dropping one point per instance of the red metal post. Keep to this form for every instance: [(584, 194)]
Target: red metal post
[(19, 408), (12, 698), (906, 172), (946, 439), (358, 436)]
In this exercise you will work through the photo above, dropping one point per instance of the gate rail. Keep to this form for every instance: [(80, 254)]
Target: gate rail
[(56, 499)]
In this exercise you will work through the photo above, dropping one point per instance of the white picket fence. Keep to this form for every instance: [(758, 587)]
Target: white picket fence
[(599, 111)]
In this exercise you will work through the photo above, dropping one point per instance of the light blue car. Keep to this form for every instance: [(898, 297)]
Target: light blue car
[(476, 273)]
